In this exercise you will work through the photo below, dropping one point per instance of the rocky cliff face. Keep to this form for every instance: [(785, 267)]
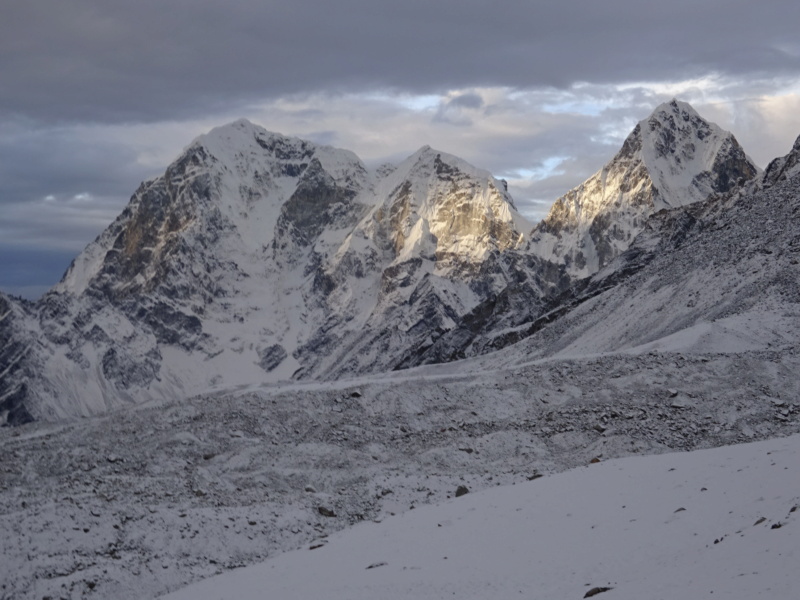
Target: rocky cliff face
[(671, 159), (14, 363)]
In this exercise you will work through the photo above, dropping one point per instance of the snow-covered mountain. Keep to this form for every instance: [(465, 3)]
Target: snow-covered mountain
[(671, 159), (257, 257), (719, 274), (260, 257)]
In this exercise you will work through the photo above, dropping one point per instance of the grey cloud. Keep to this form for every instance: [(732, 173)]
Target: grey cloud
[(467, 101), (35, 163), (452, 117), (58, 191), (535, 197), (456, 110), (324, 138), (60, 223), (158, 59)]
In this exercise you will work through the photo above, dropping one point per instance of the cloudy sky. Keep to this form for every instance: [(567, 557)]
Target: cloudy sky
[(97, 95)]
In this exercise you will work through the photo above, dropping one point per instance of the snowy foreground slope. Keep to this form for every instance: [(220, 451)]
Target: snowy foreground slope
[(722, 523), (142, 501)]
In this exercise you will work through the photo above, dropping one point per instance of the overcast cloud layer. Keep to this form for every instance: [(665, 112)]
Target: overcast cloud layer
[(97, 96)]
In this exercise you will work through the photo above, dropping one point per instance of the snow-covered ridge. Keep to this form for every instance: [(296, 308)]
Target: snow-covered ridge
[(240, 142)]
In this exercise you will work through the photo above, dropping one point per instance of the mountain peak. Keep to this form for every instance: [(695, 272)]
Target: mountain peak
[(441, 207), (430, 158), (672, 158), (240, 123), (674, 106), (429, 162), (243, 136), (238, 129), (423, 150)]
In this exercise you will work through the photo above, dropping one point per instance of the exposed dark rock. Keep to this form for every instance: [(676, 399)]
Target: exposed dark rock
[(596, 590), (271, 356)]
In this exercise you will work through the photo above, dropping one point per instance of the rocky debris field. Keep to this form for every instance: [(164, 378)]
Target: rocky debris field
[(145, 500)]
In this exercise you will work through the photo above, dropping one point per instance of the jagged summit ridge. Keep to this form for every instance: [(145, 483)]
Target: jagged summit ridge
[(243, 146), (671, 159), (462, 211)]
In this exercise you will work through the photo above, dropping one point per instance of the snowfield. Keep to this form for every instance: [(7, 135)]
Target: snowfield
[(721, 523)]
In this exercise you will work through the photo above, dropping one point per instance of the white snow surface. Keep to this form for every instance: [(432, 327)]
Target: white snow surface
[(722, 522)]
